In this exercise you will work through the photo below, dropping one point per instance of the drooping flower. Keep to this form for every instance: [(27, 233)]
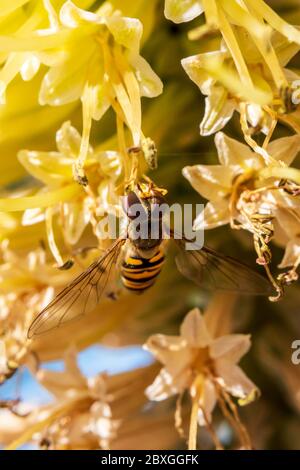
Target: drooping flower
[(202, 364), (93, 57), (214, 73), (55, 171), (239, 166), (250, 14), (247, 191)]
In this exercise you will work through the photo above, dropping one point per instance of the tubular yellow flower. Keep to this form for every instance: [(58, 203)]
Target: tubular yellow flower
[(248, 190), (75, 207), (214, 74), (93, 57), (205, 366), (251, 13)]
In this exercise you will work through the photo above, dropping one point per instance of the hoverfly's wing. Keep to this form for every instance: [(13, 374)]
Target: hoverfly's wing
[(81, 296), (214, 271)]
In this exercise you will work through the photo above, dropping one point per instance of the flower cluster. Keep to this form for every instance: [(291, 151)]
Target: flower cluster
[(206, 367), (255, 188), (83, 413)]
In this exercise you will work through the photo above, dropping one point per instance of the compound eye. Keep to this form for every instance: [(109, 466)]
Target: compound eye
[(132, 206)]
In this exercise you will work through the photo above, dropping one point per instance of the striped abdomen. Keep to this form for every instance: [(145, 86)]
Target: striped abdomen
[(138, 274)]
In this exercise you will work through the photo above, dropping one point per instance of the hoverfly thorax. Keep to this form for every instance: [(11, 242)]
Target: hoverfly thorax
[(145, 220)]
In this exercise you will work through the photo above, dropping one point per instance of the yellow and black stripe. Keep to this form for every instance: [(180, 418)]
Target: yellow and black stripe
[(138, 274)]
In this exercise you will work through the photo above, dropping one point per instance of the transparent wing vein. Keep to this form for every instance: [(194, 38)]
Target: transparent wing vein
[(212, 270), (79, 297)]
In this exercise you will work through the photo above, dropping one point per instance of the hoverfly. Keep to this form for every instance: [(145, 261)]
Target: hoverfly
[(139, 261)]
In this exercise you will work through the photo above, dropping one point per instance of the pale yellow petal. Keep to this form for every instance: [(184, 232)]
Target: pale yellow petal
[(219, 109), (62, 84), (149, 83), (258, 118), (285, 149), (33, 216), (68, 140), (207, 403), (215, 214), (234, 379), (63, 384), (291, 254), (110, 162), (233, 153), (174, 353), (194, 67), (163, 347), (289, 221), (30, 67), (285, 50), (72, 16), (180, 11), (193, 329), (230, 347), (126, 31), (163, 387), (76, 216), (211, 181), (49, 167), (7, 223), (101, 101)]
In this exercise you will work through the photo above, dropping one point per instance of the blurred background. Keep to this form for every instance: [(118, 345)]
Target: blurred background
[(111, 342)]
